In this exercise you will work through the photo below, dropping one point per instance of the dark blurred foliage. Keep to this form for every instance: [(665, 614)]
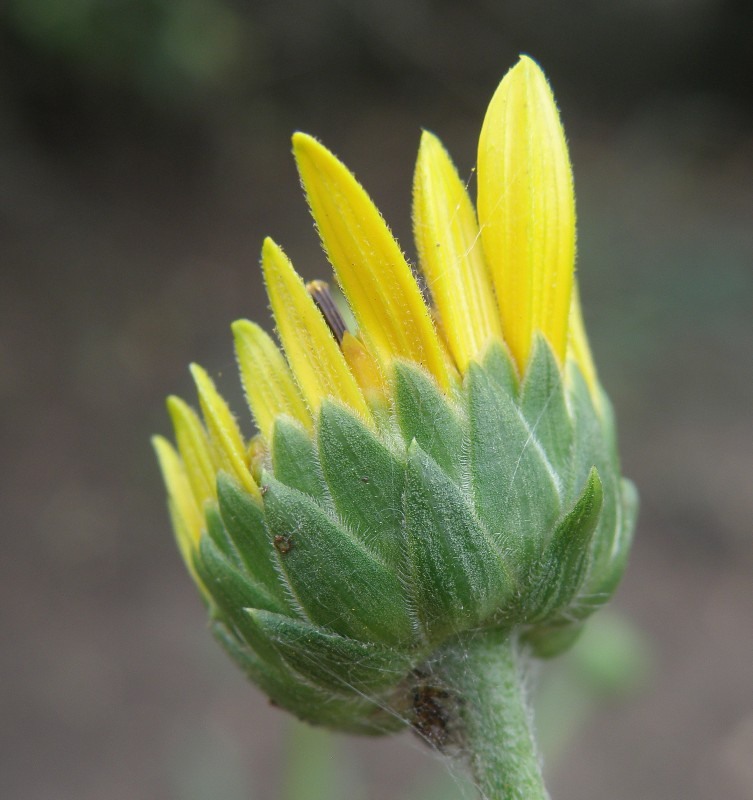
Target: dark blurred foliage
[(144, 154), (73, 68)]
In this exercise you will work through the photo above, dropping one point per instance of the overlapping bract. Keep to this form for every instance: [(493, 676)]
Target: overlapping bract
[(439, 468)]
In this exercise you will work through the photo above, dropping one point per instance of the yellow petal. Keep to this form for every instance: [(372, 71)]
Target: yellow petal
[(450, 253), (186, 518), (312, 351), (364, 368), (194, 449), (269, 386), (228, 447), (579, 349), (526, 210), (372, 271)]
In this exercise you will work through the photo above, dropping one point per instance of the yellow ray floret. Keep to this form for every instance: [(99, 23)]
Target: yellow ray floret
[(228, 447), (186, 517), (364, 368), (579, 349), (193, 447), (450, 253), (526, 210), (269, 386), (312, 351), (370, 267)]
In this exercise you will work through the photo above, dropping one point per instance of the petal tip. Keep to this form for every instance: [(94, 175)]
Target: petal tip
[(268, 247), (301, 139), (427, 138), (306, 146), (241, 327), (160, 445), (172, 401), (198, 373)]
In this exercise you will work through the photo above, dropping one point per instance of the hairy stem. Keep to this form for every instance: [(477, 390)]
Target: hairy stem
[(488, 718)]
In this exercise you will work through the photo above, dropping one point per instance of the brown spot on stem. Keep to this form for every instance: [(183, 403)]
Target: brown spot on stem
[(430, 714)]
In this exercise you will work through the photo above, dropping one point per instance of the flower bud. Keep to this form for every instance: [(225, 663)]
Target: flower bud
[(428, 468)]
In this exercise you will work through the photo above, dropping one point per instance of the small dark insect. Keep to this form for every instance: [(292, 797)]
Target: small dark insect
[(283, 544), (264, 490), (430, 716), (364, 478)]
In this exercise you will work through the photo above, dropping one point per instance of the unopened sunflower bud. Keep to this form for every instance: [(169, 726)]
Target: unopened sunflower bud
[(411, 480)]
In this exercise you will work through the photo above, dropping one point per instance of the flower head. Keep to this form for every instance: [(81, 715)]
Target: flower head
[(425, 463)]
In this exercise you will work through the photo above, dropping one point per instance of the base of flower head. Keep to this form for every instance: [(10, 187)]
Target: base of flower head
[(497, 506)]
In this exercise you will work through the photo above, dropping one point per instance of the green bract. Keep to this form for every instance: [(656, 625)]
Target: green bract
[(497, 506)]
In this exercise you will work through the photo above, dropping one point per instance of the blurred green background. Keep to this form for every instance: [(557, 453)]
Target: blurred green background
[(144, 155)]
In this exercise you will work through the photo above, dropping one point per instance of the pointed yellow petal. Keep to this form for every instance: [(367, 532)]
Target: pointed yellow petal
[(372, 271), (184, 512), (228, 447), (312, 351), (364, 368), (526, 210), (268, 383), (179, 490), (450, 253), (194, 449), (579, 349), (443, 341)]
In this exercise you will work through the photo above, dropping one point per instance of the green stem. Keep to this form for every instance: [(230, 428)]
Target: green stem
[(490, 720)]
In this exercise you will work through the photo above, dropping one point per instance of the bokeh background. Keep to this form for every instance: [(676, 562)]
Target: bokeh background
[(144, 154)]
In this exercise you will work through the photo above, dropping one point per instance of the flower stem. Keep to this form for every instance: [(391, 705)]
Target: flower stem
[(490, 721)]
